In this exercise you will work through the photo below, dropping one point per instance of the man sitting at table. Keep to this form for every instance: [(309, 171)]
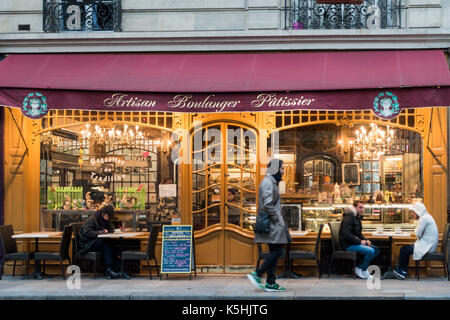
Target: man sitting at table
[(100, 223), (351, 238)]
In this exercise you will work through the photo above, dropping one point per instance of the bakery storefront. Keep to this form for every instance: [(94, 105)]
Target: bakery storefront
[(184, 138)]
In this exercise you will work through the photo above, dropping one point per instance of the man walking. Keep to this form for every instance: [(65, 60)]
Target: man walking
[(276, 234)]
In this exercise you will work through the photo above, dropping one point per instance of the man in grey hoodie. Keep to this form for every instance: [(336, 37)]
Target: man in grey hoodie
[(269, 203)]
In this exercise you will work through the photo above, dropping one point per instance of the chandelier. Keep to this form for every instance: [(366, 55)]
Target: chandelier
[(372, 144), (112, 134)]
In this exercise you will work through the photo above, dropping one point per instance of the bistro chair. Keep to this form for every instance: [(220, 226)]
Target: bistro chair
[(62, 254), (338, 253), (8, 246), (438, 256), (93, 256), (308, 255), (148, 255)]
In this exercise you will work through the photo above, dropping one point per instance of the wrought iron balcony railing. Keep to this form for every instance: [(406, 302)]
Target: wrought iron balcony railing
[(82, 15), (342, 14)]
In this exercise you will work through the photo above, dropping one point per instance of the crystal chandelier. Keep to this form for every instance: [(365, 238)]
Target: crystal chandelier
[(111, 134), (372, 144)]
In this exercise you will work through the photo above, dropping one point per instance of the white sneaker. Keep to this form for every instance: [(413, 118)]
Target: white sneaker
[(360, 273), (368, 275)]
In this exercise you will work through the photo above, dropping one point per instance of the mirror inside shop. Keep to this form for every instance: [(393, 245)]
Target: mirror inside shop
[(129, 167), (327, 168)]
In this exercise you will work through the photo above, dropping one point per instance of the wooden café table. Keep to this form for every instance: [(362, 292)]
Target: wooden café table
[(36, 236), (390, 236), (119, 235)]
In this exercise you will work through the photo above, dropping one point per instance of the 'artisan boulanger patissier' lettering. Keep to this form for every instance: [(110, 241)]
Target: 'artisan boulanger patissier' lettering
[(123, 100), (185, 101), (272, 100)]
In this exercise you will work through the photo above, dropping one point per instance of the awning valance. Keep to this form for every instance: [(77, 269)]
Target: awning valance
[(234, 82)]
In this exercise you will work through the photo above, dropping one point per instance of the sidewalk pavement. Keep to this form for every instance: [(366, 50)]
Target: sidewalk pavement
[(222, 287)]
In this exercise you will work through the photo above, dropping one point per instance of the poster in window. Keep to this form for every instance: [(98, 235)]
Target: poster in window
[(151, 187), (350, 173)]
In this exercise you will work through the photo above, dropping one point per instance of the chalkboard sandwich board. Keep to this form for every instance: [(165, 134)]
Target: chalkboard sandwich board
[(177, 254)]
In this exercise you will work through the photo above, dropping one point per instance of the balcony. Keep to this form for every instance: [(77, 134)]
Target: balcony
[(82, 15), (342, 14)]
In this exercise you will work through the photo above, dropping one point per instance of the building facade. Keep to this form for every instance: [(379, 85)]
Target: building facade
[(417, 169)]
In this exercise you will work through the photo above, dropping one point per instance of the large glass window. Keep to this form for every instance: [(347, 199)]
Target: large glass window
[(86, 166), (331, 169)]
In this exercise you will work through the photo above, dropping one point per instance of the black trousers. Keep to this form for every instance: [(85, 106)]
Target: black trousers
[(405, 253), (110, 254), (270, 263)]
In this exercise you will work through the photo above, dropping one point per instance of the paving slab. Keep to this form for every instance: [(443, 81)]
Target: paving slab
[(223, 287)]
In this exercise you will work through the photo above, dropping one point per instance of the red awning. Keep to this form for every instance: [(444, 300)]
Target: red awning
[(327, 80), (234, 72)]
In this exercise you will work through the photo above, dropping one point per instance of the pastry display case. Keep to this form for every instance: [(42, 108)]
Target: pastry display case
[(388, 216)]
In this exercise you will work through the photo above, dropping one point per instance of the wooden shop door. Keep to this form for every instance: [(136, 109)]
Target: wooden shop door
[(224, 183)]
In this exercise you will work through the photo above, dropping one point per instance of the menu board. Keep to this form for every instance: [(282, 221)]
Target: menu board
[(176, 253)]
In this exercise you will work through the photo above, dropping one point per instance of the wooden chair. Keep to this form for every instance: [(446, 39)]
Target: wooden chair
[(62, 254), (338, 253), (148, 255), (308, 255), (90, 255)]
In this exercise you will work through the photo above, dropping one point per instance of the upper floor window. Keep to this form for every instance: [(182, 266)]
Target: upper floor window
[(82, 15), (343, 14)]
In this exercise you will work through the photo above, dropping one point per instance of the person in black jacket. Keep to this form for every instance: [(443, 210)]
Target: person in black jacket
[(351, 238), (100, 223)]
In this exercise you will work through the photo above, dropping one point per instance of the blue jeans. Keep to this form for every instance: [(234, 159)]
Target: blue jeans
[(369, 252)]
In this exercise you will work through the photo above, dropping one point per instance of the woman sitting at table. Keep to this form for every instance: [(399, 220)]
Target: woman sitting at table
[(427, 240), (100, 223)]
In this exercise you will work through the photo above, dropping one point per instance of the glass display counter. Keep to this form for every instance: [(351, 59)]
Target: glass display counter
[(388, 216)]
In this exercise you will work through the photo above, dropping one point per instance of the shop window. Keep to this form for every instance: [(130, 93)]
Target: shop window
[(91, 165), (389, 177)]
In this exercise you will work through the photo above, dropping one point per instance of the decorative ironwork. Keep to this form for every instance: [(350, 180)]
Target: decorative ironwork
[(409, 119), (370, 14), (82, 15)]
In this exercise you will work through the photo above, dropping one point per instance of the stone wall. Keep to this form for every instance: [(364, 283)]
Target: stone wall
[(209, 15)]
